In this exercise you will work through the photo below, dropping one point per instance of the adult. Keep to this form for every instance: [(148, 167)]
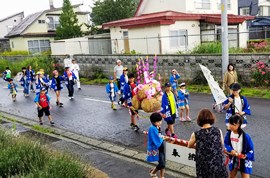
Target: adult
[(75, 69), (174, 81), (67, 61), (208, 142), (118, 71), (229, 78)]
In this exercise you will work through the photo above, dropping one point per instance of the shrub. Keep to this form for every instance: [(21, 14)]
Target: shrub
[(208, 48), (199, 78), (261, 74), (14, 53)]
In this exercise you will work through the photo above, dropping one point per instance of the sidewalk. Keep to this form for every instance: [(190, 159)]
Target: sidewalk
[(114, 160)]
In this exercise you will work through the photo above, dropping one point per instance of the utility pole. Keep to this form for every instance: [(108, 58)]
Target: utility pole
[(224, 34)]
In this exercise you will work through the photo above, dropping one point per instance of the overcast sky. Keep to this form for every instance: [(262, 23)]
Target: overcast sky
[(10, 7)]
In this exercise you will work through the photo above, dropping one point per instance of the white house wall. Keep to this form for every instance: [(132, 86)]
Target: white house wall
[(193, 40), (243, 35), (185, 6), (21, 44), (152, 6), (144, 40), (13, 21), (117, 40)]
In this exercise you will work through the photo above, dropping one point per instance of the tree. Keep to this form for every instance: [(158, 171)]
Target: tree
[(110, 10), (69, 27)]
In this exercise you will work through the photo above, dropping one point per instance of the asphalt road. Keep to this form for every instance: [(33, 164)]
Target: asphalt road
[(90, 114)]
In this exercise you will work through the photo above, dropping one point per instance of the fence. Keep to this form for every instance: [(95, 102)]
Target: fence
[(175, 43)]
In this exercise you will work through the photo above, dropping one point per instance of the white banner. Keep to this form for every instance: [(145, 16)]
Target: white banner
[(215, 89), (180, 154)]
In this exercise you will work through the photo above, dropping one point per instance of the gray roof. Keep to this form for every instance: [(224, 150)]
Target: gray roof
[(8, 17), (18, 29)]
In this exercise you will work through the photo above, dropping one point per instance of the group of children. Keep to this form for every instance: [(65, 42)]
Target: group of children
[(27, 77), (237, 144)]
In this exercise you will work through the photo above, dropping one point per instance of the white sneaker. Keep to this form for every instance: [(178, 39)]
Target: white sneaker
[(69, 98), (188, 119), (72, 97)]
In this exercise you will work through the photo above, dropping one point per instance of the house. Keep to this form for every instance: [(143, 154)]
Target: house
[(36, 31), (171, 26), (6, 25), (248, 7)]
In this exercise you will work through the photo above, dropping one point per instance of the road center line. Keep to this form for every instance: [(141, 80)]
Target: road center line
[(91, 99)]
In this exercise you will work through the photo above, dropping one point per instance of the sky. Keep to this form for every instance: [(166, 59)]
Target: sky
[(10, 7)]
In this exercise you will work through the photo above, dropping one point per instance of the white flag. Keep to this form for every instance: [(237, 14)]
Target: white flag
[(215, 89)]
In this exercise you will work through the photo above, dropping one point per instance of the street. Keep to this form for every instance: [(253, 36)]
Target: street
[(90, 114)]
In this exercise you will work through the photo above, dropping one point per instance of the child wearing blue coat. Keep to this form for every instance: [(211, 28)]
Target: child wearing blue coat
[(13, 89), (155, 145), (25, 82), (174, 81), (183, 103), (239, 147), (57, 86), (123, 82), (237, 104), (112, 90), (70, 79)]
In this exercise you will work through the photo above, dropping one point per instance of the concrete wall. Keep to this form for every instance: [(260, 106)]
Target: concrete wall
[(187, 65)]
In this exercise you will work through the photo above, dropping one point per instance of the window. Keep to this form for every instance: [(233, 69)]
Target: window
[(228, 4), (202, 4), (9, 28), (38, 46), (178, 38), (41, 21), (53, 22), (125, 34), (244, 11)]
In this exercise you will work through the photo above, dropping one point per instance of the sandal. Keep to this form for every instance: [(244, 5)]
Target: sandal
[(152, 175)]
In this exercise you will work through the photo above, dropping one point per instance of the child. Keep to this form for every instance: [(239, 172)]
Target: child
[(237, 104), (7, 74), (30, 75), (174, 81), (155, 145), (25, 82), (41, 81), (112, 89), (69, 78), (57, 86), (128, 94), (123, 81), (13, 89), (169, 110), (42, 101), (183, 96), (239, 146)]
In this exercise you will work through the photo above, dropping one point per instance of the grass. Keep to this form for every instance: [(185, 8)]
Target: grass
[(42, 129), (21, 157), (98, 81)]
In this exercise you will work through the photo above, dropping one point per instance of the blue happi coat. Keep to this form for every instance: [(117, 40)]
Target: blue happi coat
[(231, 110), (54, 84), (153, 143), (66, 79), (39, 84), (108, 90), (248, 149), (122, 82), (172, 80), (165, 108), (127, 94)]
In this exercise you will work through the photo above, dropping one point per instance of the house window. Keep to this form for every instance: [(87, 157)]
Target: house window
[(261, 11), (125, 34), (38, 46), (41, 21), (53, 22), (244, 11), (228, 5), (178, 38), (202, 4)]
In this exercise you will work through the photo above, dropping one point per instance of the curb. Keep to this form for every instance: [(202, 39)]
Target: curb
[(106, 146)]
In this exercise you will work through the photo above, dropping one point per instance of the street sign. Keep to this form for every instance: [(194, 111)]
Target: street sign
[(180, 154)]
